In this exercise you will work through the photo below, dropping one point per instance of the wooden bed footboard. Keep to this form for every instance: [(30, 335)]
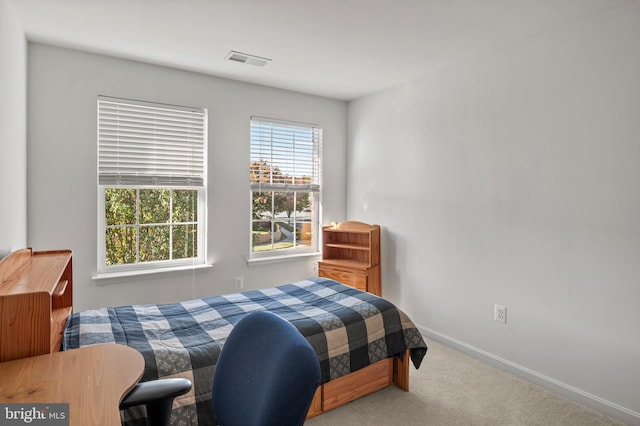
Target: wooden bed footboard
[(363, 382)]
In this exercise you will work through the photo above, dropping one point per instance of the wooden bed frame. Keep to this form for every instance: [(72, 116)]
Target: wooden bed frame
[(363, 382), (25, 274)]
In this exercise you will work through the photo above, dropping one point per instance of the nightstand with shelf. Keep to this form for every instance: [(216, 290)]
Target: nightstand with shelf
[(351, 255)]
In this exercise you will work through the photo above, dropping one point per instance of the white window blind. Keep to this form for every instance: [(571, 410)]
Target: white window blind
[(285, 155), (142, 144)]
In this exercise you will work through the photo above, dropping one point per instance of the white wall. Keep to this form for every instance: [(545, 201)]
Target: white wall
[(514, 178), (13, 131), (63, 89)]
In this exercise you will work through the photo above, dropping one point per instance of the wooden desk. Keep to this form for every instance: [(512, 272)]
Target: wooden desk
[(92, 380)]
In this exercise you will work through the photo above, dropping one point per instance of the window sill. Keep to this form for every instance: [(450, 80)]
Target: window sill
[(270, 259), (104, 277)]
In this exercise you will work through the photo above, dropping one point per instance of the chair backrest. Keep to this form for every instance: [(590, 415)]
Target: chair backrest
[(267, 374)]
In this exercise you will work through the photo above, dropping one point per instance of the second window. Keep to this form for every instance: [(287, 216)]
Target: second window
[(285, 168)]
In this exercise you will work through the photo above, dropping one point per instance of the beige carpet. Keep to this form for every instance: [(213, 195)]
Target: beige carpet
[(452, 388)]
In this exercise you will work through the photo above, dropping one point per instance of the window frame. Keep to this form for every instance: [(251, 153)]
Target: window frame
[(314, 188), (174, 182)]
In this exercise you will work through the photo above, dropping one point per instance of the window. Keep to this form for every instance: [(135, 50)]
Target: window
[(152, 164), (285, 182)]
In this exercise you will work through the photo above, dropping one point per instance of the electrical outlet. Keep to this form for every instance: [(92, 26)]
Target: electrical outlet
[(500, 313), (239, 283)]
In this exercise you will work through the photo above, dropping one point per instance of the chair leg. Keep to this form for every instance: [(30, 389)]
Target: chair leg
[(159, 412)]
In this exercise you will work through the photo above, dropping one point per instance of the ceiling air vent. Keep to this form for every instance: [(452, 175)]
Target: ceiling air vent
[(247, 59)]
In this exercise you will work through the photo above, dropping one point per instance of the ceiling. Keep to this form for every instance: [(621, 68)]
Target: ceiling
[(342, 49)]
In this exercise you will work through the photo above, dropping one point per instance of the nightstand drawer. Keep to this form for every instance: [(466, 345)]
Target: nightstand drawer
[(358, 281)]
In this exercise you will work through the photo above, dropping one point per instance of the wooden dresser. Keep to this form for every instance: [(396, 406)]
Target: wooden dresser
[(36, 298), (351, 255)]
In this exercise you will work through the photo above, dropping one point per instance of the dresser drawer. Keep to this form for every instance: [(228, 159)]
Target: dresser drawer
[(358, 281)]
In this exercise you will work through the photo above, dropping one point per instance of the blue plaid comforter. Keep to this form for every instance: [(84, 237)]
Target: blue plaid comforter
[(349, 329)]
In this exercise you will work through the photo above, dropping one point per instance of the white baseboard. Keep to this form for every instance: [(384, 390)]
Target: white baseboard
[(607, 407)]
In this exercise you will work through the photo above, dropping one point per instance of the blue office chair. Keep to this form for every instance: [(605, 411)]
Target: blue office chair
[(267, 374)]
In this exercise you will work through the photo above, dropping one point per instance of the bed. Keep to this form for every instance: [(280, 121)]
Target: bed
[(363, 342)]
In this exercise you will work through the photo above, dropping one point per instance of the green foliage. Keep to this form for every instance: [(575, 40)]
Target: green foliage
[(154, 205), (120, 245), (154, 243), (185, 205), (289, 202), (185, 241), (140, 223), (120, 206), (261, 204)]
